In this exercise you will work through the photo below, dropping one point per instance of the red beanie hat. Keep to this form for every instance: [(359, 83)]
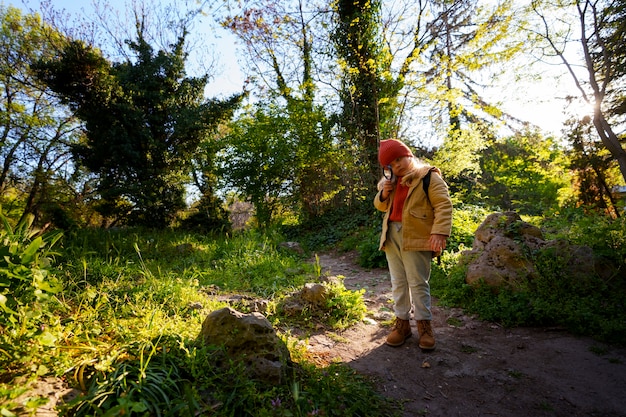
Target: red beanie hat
[(391, 149)]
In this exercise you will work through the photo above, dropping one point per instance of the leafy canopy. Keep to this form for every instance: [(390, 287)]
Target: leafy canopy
[(144, 120)]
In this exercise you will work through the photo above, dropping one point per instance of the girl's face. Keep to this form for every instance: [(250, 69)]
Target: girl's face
[(400, 166)]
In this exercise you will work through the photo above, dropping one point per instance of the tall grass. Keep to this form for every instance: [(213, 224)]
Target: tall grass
[(123, 329)]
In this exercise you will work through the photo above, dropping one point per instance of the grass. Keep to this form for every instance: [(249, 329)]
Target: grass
[(123, 329)]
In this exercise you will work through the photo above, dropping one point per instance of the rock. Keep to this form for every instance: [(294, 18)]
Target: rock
[(506, 248), (293, 246), (502, 261), (312, 297), (249, 338), (314, 294), (507, 224), (501, 251)]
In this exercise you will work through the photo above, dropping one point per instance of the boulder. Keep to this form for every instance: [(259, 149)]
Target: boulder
[(311, 298), (314, 294), (508, 224), (505, 249), (502, 261), (500, 252), (249, 338)]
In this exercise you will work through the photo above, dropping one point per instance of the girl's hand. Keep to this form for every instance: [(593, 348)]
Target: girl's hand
[(387, 189), (437, 242)]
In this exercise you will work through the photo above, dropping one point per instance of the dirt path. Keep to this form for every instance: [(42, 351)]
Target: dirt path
[(478, 368)]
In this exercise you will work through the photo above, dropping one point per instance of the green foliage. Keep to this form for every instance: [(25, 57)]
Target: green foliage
[(258, 161), (126, 333), (280, 158), (130, 332), (25, 279), (344, 307), (590, 305), (369, 92), (526, 173), (207, 216), (594, 168), (333, 227), (465, 221), (35, 174), (341, 309), (149, 385), (612, 18), (28, 326), (253, 262), (584, 227), (370, 255), (144, 121), (335, 390), (458, 159), (447, 282)]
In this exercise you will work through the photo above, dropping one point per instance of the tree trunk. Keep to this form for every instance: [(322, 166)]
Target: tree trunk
[(610, 140)]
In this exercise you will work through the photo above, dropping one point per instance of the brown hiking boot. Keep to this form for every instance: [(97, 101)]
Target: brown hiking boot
[(426, 336), (399, 333)]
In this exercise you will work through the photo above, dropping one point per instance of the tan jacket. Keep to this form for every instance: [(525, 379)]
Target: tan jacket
[(421, 216)]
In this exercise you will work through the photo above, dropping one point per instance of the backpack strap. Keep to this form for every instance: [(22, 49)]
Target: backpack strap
[(426, 183)]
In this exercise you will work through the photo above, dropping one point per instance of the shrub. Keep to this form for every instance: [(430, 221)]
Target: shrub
[(344, 307), (331, 228), (25, 258), (589, 305), (27, 326), (465, 220), (370, 256)]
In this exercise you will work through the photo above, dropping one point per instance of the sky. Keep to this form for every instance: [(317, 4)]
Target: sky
[(229, 77), (541, 103)]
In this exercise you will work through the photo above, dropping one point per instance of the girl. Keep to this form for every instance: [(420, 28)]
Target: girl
[(416, 224)]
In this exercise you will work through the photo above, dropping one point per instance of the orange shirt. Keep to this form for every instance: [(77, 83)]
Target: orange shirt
[(398, 201)]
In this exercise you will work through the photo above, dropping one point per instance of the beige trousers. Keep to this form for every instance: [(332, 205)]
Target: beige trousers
[(410, 273)]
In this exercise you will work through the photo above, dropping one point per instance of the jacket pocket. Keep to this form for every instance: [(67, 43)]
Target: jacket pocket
[(423, 214)]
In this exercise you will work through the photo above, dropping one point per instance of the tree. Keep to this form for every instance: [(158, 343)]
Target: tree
[(526, 173), (36, 175), (280, 41), (388, 68), (614, 22), (143, 122), (468, 43), (592, 166), (367, 96), (408, 59), (258, 161), (459, 156), (599, 33)]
